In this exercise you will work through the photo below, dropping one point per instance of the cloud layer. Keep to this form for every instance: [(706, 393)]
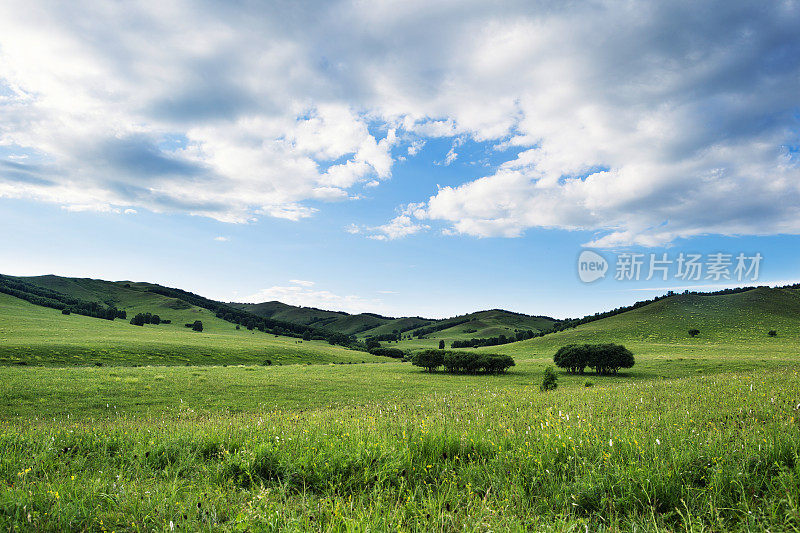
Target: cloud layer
[(641, 122)]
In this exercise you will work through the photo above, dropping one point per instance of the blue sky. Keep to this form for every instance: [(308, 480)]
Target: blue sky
[(405, 158)]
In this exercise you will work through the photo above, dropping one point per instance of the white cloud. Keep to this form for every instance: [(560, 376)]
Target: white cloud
[(404, 224), (397, 228), (415, 147), (303, 293), (640, 122), (221, 239), (450, 157)]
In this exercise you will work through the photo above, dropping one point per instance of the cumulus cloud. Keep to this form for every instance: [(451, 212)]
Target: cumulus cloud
[(641, 122), (303, 293)]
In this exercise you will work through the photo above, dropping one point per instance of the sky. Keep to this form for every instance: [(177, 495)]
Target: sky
[(404, 158)]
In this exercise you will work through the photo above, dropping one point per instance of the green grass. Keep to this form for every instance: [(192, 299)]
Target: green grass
[(460, 453), (702, 434), (41, 336)]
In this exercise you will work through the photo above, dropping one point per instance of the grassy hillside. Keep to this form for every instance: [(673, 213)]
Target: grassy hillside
[(481, 324), (492, 323), (362, 324), (732, 324), (42, 336)]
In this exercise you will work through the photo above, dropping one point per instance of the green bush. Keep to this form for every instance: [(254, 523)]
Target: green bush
[(603, 358), (463, 362), (550, 380), (396, 353), (430, 360)]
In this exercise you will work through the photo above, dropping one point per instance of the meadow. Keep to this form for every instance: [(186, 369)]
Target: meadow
[(387, 447), (702, 434)]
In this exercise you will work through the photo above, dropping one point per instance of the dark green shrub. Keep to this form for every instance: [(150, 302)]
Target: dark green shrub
[(549, 380), (603, 358), (395, 353), (772, 333), (456, 362), (430, 360), (694, 332)]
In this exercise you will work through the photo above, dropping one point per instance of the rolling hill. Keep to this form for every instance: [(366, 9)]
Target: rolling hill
[(731, 325), (736, 323), (480, 324), (32, 334)]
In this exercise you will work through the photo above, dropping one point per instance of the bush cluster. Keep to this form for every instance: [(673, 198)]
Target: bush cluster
[(195, 326), (494, 341), (603, 358), (397, 353), (147, 318), (462, 362)]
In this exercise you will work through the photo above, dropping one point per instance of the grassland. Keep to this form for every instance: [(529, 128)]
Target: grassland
[(41, 336), (703, 434), (712, 452)]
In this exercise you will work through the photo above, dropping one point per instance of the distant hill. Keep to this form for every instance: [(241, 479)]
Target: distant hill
[(183, 307), (35, 335), (362, 324), (724, 319), (737, 322), (480, 324)]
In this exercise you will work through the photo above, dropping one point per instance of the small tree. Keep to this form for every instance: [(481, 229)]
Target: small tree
[(65, 311), (197, 326), (441, 344), (694, 332), (773, 333), (550, 380)]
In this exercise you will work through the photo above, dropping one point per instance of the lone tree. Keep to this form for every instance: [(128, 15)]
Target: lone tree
[(772, 333), (197, 326), (550, 380), (694, 332), (441, 344)]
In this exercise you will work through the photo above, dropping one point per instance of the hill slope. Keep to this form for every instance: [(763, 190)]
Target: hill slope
[(735, 324), (31, 334), (362, 324)]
